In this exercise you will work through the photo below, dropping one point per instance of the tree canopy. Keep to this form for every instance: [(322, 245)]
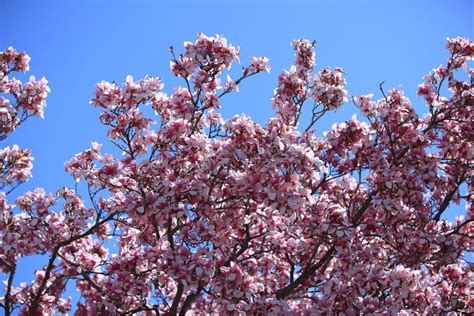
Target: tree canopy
[(204, 215)]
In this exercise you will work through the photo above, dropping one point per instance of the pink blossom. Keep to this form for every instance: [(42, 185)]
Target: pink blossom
[(194, 213), (259, 64)]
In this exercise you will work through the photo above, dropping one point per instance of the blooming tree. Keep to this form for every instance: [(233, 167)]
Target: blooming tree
[(202, 215)]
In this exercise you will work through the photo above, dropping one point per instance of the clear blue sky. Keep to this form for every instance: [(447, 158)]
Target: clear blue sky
[(76, 44)]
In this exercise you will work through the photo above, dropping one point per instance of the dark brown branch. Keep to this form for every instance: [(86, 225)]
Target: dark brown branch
[(190, 300), (447, 199), (177, 298), (8, 300), (170, 235), (54, 254), (290, 288)]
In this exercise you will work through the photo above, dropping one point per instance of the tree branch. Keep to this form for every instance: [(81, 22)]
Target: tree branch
[(177, 298), (290, 288)]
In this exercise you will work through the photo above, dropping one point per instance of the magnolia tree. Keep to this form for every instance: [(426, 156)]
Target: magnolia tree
[(202, 215)]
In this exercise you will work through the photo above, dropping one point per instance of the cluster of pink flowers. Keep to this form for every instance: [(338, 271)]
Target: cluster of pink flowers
[(233, 217), (211, 52), (305, 55), (291, 92), (15, 165), (205, 54), (459, 46), (111, 97), (8, 119), (11, 60), (32, 96), (19, 101), (258, 64), (296, 86), (329, 88)]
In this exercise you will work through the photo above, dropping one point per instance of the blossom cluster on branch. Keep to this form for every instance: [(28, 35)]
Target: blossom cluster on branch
[(19, 100), (214, 216)]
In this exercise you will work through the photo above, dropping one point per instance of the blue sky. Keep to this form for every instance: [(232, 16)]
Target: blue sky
[(76, 44)]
